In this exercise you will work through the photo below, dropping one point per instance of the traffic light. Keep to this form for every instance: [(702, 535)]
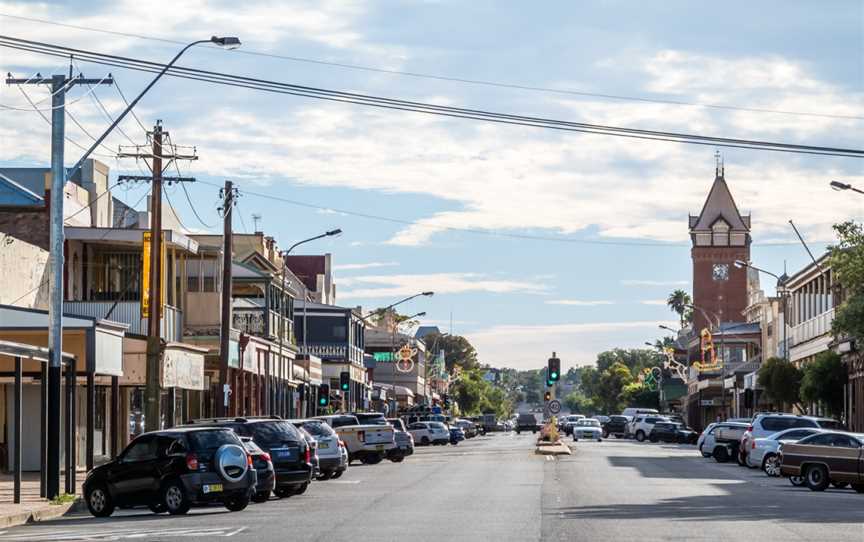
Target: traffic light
[(547, 396), (554, 369), (324, 395), (344, 382)]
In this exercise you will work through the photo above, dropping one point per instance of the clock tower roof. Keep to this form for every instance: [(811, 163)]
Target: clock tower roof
[(720, 205)]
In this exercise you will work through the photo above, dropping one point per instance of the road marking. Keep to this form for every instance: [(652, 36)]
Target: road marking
[(96, 535), (343, 482)]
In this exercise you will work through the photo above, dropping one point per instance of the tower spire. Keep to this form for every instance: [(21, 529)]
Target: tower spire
[(718, 164)]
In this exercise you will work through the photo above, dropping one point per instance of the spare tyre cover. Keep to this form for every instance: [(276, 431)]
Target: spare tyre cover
[(231, 462)]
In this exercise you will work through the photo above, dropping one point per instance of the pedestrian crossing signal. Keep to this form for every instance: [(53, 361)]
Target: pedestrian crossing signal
[(324, 395)]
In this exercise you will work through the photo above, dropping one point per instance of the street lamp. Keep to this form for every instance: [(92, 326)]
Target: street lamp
[(782, 290), (284, 254), (667, 328), (390, 306), (837, 185)]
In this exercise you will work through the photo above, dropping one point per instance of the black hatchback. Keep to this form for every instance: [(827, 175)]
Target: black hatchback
[(169, 471), (288, 450)]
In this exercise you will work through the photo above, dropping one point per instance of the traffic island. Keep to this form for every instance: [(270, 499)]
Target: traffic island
[(552, 448)]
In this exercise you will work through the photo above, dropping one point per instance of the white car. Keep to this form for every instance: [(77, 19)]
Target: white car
[(587, 428), (567, 422), (642, 424), (331, 460), (429, 433), (707, 440), (763, 451)]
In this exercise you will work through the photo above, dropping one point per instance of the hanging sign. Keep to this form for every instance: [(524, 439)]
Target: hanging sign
[(707, 347), (146, 255), (405, 357)]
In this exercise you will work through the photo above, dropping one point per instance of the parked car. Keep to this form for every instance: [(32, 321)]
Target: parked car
[(404, 440), (672, 432), (263, 467), (169, 471), (467, 426), (566, 423), (332, 462), (640, 426), (602, 419), (527, 422), (617, 426), (426, 433), (726, 441), (633, 412), (825, 458), (291, 454), (368, 443), (763, 451), (707, 439), (588, 429), (313, 446), (457, 435), (768, 424)]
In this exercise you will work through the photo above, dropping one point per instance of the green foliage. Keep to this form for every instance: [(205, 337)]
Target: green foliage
[(610, 387), (849, 318), (578, 403), (64, 498), (634, 359), (635, 395), (677, 302), (457, 350), (781, 381), (847, 265), (823, 382), (475, 395)]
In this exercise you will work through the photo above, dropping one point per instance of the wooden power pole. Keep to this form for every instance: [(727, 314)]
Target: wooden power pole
[(229, 196)]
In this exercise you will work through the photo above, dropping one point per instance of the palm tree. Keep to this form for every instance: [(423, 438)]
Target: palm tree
[(678, 301)]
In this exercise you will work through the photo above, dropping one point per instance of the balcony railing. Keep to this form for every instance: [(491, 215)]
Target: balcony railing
[(252, 321), (812, 328), (129, 312)]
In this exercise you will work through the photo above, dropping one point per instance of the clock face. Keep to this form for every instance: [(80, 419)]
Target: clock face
[(721, 271)]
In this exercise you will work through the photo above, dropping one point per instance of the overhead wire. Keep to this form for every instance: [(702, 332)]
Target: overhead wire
[(420, 107), (470, 81), (101, 106)]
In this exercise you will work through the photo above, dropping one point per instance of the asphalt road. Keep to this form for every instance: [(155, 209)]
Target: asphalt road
[(495, 488)]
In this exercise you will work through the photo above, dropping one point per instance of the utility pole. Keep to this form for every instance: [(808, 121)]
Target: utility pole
[(229, 195), (60, 85), (157, 154)]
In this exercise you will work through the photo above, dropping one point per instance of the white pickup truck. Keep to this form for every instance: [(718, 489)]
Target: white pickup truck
[(366, 443)]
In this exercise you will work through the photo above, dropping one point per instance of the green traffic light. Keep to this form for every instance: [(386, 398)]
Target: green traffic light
[(554, 375), (322, 401)]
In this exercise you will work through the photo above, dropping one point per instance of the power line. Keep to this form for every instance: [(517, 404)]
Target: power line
[(420, 107), (479, 82)]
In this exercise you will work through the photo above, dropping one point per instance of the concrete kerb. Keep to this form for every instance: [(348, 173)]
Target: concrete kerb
[(552, 448), (42, 512)]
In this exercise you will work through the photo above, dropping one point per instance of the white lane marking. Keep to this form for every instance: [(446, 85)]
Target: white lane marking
[(120, 534), (343, 482)]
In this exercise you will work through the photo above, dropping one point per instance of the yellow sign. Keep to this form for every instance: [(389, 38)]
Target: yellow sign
[(707, 346), (146, 254)]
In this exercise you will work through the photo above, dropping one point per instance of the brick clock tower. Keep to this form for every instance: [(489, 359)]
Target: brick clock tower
[(720, 235)]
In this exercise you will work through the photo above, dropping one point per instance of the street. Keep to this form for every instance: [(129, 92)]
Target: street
[(496, 488)]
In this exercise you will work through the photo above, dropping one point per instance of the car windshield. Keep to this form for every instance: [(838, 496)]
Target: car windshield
[(588, 423), (317, 429), (397, 424), (274, 433), (211, 440)]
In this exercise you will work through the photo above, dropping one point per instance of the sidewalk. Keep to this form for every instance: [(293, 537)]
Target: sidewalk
[(32, 507)]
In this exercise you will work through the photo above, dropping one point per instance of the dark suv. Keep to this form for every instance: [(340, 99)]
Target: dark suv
[(169, 471), (288, 449), (672, 432), (617, 425)]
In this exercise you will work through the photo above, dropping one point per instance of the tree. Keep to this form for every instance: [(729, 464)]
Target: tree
[(635, 395), (611, 383), (457, 350), (823, 382), (577, 402), (677, 302), (847, 266), (781, 381)]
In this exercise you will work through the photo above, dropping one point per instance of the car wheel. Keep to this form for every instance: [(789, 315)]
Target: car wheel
[(424, 441), (157, 507), (796, 481), (605, 434), (371, 459), (237, 503), (337, 474), (721, 454), (325, 475), (301, 489), (617, 435), (599, 440), (840, 485), (653, 439), (99, 501), (771, 465), (858, 487), (283, 492), (174, 497), (575, 439), (741, 458), (816, 478), (640, 435), (261, 496)]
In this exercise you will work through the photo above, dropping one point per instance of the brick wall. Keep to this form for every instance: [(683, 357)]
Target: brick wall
[(727, 298)]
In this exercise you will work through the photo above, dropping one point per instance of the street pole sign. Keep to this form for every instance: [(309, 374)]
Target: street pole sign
[(554, 406)]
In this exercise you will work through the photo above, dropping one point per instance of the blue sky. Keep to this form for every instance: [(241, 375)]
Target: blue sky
[(606, 202)]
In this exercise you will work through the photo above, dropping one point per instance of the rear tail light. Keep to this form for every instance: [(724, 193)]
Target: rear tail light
[(249, 460), (753, 446), (266, 457), (308, 455), (191, 462), (750, 429)]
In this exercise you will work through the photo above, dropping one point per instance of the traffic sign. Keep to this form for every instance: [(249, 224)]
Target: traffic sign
[(554, 406)]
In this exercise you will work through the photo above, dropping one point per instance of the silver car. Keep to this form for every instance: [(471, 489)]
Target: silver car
[(707, 440), (763, 451), (587, 428)]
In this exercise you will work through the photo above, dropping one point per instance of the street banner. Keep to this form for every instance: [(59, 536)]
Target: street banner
[(146, 254)]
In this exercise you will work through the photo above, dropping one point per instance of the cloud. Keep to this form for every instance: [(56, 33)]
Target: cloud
[(578, 303), (653, 302), (369, 265), (379, 286), (655, 282)]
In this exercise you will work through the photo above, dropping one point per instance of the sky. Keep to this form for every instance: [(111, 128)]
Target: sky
[(533, 240)]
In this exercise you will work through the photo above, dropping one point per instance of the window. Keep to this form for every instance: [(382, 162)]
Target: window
[(818, 440), (141, 449), (830, 424), (211, 440), (175, 446), (777, 423), (845, 441)]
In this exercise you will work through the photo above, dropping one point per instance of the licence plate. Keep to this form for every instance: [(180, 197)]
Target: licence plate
[(323, 445), (211, 488), (283, 453)]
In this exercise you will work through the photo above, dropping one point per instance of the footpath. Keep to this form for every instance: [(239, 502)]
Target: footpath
[(33, 507)]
